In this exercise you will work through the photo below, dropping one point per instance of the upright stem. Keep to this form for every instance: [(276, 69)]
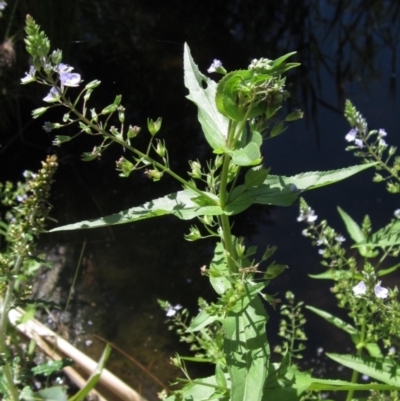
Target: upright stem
[(223, 197), (354, 376)]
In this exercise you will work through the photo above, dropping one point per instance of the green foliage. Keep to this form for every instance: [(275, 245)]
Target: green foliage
[(237, 114)]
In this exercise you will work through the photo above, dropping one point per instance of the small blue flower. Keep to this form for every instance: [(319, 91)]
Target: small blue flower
[(171, 311), (53, 95), (29, 76), (3, 5), (380, 291), (358, 142), (382, 133), (214, 66), (68, 79), (397, 213), (360, 289), (351, 136)]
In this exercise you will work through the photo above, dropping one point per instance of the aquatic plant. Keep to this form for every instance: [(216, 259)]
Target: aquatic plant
[(237, 115)]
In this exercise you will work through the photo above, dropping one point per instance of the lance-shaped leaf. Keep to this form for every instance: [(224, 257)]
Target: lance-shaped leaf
[(386, 370), (247, 352), (180, 204), (356, 234), (283, 191), (214, 124)]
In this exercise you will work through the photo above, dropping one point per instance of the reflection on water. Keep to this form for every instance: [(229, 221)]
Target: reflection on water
[(346, 50)]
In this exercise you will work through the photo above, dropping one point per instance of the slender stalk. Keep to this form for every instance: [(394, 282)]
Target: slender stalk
[(142, 155), (354, 376)]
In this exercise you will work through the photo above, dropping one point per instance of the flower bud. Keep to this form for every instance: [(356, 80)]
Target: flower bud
[(160, 149), (56, 56), (133, 131), (154, 126), (196, 169), (154, 174), (193, 235), (121, 114), (125, 167)]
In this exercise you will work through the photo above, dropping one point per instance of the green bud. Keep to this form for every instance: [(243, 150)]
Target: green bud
[(154, 174), (277, 130), (176, 361), (133, 131), (160, 149), (240, 249), (93, 114), (121, 114), (377, 178), (294, 115), (87, 95), (154, 126), (65, 117), (84, 127), (125, 167), (93, 84), (56, 56), (193, 235), (38, 112), (196, 169), (392, 150)]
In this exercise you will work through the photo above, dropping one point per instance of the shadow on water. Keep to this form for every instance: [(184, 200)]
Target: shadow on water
[(135, 48)]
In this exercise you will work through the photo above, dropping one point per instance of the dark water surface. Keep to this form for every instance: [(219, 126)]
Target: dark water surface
[(347, 50)]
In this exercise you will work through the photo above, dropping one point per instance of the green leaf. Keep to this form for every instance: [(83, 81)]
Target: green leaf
[(219, 270), (304, 382), (227, 96), (247, 352), (317, 179), (50, 367), (197, 390), (337, 322), (202, 320), (56, 393), (274, 270), (353, 228), (214, 124), (250, 155), (94, 377), (356, 234), (383, 369), (255, 176), (283, 191), (179, 204), (337, 275)]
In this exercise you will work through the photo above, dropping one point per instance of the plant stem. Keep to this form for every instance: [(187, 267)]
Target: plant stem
[(354, 376), (142, 155)]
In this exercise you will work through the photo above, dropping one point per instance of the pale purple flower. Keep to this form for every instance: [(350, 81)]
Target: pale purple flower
[(307, 215), (360, 289), (68, 79), (53, 95), (214, 66), (171, 311), (382, 133), (3, 5), (63, 68), (380, 291), (397, 213), (340, 238), (383, 143), (29, 76), (358, 142), (48, 126), (351, 136)]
